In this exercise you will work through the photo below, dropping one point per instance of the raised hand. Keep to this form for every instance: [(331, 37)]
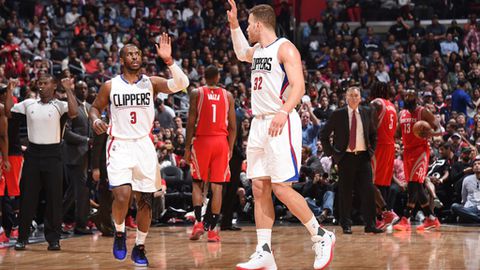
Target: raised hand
[(68, 84), (232, 14), (12, 83), (164, 48)]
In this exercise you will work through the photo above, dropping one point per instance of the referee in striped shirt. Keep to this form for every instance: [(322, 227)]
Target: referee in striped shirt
[(43, 167)]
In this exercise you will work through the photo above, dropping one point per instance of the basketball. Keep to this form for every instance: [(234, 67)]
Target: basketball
[(422, 129)]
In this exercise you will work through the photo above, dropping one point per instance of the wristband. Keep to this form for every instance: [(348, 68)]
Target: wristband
[(95, 122), (284, 112), (169, 62)]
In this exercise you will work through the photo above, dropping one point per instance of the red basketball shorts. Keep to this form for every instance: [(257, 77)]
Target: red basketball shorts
[(415, 163), (11, 179), (210, 158), (382, 164)]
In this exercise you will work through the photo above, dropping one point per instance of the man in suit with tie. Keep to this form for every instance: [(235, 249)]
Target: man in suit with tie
[(77, 140), (354, 142)]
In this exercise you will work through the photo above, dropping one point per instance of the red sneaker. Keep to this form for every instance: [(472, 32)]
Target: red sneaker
[(130, 223), (213, 236), (390, 218), (403, 225), (14, 234), (197, 231), (4, 238), (429, 224), (380, 224)]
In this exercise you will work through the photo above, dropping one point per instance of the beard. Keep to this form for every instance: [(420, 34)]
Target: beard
[(410, 104)]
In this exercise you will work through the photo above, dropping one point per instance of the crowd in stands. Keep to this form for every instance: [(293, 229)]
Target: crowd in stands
[(82, 39)]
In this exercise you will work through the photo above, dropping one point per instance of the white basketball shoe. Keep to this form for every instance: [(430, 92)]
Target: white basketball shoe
[(323, 247), (262, 258)]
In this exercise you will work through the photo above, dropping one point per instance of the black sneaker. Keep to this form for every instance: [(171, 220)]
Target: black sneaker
[(120, 246), (138, 255), (20, 245), (54, 246)]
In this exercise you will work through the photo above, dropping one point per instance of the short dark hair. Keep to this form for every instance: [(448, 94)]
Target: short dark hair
[(379, 90), (265, 14), (211, 72), (122, 50), (48, 76)]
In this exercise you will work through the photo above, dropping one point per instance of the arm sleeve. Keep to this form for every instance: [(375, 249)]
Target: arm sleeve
[(179, 80), (240, 44)]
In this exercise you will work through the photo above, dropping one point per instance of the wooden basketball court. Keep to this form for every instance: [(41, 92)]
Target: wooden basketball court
[(452, 247)]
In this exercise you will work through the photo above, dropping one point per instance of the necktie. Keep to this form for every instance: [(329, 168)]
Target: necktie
[(352, 141)]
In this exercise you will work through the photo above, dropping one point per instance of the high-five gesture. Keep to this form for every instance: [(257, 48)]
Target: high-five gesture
[(232, 14), (68, 84), (164, 49)]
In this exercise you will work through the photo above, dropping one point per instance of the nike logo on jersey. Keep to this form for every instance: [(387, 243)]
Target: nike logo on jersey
[(212, 96), (123, 100), (262, 64)]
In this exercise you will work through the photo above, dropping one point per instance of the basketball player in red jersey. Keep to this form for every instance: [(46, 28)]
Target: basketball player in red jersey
[(132, 162), (415, 157), (211, 131), (382, 162)]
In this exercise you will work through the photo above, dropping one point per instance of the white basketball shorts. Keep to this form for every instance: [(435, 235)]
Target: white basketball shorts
[(275, 157), (133, 162)]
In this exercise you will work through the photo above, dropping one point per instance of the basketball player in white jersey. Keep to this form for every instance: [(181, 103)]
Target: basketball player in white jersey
[(131, 156), (275, 140)]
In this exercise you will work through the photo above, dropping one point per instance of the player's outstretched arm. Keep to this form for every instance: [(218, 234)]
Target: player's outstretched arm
[(99, 104), (68, 84), (192, 119), (240, 44), (179, 80)]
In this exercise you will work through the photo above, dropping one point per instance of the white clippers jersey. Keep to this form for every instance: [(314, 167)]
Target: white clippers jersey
[(131, 108), (270, 87)]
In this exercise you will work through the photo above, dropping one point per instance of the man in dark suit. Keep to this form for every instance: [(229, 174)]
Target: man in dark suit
[(77, 139), (103, 217), (354, 142)]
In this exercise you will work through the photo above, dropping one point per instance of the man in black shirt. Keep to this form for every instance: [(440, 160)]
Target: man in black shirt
[(323, 112), (399, 29)]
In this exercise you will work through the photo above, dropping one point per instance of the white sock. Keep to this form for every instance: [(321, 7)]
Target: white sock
[(140, 240), (1, 229), (264, 236), (120, 227), (312, 226), (432, 217)]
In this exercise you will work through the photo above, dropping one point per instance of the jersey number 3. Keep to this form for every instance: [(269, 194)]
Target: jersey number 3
[(133, 117), (257, 83)]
